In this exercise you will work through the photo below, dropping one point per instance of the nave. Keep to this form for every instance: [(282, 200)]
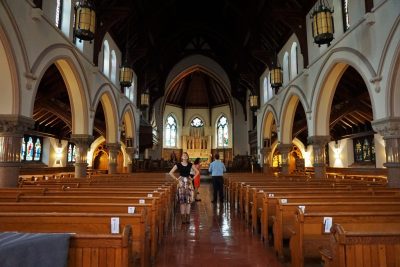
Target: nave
[(216, 236)]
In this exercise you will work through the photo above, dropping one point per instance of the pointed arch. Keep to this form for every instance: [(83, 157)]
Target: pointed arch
[(106, 58), (222, 134), (288, 111), (66, 61), (171, 130), (269, 117), (129, 120), (201, 63), (327, 80), (106, 96), (9, 84)]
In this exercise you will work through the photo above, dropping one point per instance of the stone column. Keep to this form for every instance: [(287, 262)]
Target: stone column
[(284, 149), (12, 128), (266, 152), (389, 129), (113, 149), (82, 143), (318, 143)]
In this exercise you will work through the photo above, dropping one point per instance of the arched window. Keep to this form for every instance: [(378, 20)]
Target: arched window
[(106, 58), (265, 89), (293, 61), (71, 153), (113, 66), (130, 92), (59, 13), (31, 148), (170, 131), (222, 132), (286, 77)]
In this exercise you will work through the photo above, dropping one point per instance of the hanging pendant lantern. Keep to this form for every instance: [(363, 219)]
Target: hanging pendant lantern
[(125, 75), (276, 77), (253, 101), (85, 20), (322, 24), (144, 100)]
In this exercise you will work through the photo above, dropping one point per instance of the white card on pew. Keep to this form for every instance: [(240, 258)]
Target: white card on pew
[(142, 201), (302, 207), (271, 195), (115, 225), (327, 224), (284, 201), (131, 210), (149, 195), (261, 191)]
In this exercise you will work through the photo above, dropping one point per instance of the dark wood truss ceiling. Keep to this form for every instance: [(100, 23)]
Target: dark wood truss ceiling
[(351, 111), (52, 109), (242, 36), (197, 89)]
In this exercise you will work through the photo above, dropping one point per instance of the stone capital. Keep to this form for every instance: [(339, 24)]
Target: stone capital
[(388, 128), (285, 148), (318, 140), (15, 124), (82, 140)]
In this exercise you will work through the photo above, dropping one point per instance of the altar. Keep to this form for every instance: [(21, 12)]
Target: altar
[(198, 147)]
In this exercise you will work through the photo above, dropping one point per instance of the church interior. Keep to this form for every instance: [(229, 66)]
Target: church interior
[(299, 99)]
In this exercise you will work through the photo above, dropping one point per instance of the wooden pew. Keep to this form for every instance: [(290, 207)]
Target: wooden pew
[(152, 215), (284, 219), (271, 198), (110, 208), (364, 246), (309, 233), (96, 250), (80, 223)]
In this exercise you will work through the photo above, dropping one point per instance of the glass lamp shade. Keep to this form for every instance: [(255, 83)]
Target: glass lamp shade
[(276, 77), (144, 100), (253, 99), (125, 76), (85, 20), (322, 25)]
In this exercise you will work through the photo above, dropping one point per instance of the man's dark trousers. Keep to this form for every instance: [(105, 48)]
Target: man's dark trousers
[(218, 185)]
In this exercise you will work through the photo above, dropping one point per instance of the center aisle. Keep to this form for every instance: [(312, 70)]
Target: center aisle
[(216, 236)]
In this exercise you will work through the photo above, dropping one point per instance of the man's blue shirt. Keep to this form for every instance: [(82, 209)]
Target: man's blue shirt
[(217, 168)]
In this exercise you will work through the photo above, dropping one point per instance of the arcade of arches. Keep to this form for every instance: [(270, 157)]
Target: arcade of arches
[(62, 108)]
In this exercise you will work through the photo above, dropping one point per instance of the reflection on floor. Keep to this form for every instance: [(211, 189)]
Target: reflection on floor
[(215, 237)]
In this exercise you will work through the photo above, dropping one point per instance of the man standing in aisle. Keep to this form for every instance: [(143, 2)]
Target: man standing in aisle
[(217, 169)]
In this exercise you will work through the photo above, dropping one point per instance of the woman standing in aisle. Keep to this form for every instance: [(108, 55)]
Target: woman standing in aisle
[(185, 186), (196, 181)]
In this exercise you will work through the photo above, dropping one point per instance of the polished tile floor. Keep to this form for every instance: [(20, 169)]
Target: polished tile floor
[(216, 236)]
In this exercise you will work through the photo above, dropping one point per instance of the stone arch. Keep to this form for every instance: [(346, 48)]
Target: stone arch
[(129, 120), (107, 98), (327, 80), (288, 110), (198, 63), (269, 117), (9, 101), (198, 116), (74, 78), (391, 55)]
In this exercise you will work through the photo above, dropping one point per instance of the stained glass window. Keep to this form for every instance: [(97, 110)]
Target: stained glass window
[(364, 149), (31, 148), (71, 153), (222, 132), (170, 131), (346, 18), (197, 122)]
